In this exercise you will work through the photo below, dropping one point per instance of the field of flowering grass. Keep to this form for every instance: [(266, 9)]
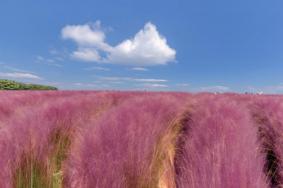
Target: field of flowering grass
[(96, 139)]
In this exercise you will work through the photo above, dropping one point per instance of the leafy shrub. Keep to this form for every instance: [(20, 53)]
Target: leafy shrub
[(13, 85)]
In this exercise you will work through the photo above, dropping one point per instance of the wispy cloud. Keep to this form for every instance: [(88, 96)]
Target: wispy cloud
[(154, 85), (217, 88), (87, 55), (131, 79), (149, 80), (148, 47), (19, 75), (47, 61), (85, 84), (91, 85), (10, 72), (113, 78), (97, 68), (182, 85), (6, 67), (59, 55), (139, 69)]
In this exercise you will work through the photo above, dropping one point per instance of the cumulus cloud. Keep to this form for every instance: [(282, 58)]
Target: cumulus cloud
[(19, 75), (86, 54), (148, 47), (85, 35)]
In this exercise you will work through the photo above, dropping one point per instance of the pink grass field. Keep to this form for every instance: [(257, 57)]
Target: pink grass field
[(99, 139)]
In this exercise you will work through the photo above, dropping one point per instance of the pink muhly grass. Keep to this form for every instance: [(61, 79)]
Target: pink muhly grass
[(12, 103), (267, 112), (220, 148), (42, 135), (140, 139), (130, 146)]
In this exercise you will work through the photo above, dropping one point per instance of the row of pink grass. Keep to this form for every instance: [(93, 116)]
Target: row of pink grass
[(114, 136)]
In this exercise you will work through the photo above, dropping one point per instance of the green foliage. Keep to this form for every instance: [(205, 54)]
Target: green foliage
[(12, 85), (33, 173)]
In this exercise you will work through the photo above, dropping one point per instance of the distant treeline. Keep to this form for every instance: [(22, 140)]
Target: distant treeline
[(13, 85)]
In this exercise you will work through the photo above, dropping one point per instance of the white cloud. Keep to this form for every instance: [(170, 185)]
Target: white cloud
[(86, 54), (146, 48), (97, 68), (40, 58), (80, 85), (85, 84), (182, 84), (113, 78), (13, 69), (215, 88), (147, 85), (148, 80), (85, 35), (139, 69), (19, 75)]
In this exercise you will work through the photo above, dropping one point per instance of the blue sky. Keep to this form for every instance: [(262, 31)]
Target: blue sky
[(177, 45)]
